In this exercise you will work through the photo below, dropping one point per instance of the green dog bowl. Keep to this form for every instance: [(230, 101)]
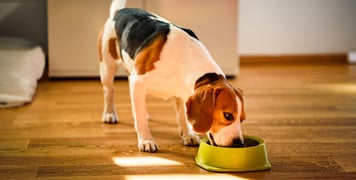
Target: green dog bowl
[(251, 157)]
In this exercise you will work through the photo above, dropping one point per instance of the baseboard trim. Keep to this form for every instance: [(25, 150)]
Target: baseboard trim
[(294, 59)]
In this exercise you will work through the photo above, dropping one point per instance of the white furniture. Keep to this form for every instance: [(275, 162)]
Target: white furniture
[(73, 27)]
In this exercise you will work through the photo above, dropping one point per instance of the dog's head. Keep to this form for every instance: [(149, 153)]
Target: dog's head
[(217, 108)]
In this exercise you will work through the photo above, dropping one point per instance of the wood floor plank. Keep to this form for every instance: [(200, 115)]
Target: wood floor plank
[(18, 172)]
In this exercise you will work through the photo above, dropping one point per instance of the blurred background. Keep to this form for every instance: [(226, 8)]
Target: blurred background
[(67, 29)]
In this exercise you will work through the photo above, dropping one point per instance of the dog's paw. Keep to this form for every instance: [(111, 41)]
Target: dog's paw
[(109, 118), (191, 140), (148, 146)]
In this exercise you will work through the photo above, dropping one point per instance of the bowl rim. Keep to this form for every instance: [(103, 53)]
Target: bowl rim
[(260, 141)]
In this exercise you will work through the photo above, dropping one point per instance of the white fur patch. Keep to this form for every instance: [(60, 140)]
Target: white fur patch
[(116, 5), (128, 62), (160, 18)]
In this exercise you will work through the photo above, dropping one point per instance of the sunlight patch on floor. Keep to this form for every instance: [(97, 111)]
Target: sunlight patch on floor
[(338, 88), (183, 176), (144, 161)]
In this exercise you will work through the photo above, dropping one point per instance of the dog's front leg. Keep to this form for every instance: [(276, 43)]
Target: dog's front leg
[(138, 102), (187, 134)]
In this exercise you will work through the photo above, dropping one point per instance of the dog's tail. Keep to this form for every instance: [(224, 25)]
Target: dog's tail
[(116, 5)]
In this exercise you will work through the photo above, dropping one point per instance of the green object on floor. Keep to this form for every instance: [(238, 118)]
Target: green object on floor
[(252, 157)]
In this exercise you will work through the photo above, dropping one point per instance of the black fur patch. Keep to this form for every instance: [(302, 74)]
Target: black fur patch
[(136, 29), (190, 32)]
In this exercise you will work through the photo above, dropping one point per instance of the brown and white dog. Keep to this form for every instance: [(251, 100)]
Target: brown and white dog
[(167, 61)]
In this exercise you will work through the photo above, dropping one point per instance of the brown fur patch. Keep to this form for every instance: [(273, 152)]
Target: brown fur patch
[(239, 94), (200, 109), (113, 48), (144, 61), (100, 40)]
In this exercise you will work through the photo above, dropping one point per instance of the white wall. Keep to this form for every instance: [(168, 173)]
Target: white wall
[(279, 27)]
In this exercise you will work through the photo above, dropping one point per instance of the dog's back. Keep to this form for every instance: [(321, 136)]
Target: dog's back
[(137, 29)]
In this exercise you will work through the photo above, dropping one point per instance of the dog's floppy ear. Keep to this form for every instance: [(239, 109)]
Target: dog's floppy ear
[(200, 109), (239, 94)]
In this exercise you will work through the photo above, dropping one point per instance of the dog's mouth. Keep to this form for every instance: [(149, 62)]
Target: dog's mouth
[(236, 142), (211, 140)]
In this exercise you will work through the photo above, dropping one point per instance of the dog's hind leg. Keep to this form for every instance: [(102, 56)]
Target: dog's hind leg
[(109, 63), (107, 75)]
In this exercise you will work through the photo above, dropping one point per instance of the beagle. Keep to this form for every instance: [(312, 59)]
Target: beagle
[(168, 61)]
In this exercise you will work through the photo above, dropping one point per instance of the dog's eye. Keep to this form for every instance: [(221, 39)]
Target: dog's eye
[(228, 116)]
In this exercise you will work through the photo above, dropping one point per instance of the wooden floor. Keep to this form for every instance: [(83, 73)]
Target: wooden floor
[(305, 113)]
